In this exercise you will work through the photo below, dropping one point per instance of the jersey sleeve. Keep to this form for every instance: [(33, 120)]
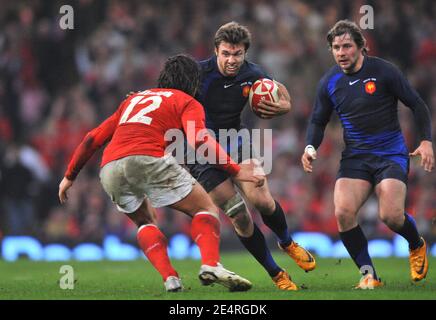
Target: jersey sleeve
[(193, 121), (321, 114), (401, 88), (93, 141)]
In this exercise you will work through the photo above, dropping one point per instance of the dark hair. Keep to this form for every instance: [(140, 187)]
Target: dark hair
[(346, 26), (233, 33), (180, 72)]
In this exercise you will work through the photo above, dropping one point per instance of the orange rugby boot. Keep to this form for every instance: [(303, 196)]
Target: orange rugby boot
[(418, 262), (283, 281), (368, 282), (301, 256)]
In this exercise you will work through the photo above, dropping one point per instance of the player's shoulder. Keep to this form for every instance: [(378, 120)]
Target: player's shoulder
[(168, 94), (208, 64), (250, 68), (378, 61), (333, 73), (254, 67), (178, 94), (163, 92), (381, 64), (183, 98), (177, 100)]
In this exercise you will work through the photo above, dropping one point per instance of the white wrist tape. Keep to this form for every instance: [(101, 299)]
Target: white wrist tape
[(310, 150)]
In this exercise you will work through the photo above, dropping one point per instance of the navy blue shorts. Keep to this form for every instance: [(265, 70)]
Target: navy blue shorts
[(211, 176), (373, 168)]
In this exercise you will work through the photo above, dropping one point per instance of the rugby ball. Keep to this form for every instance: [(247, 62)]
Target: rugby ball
[(262, 89)]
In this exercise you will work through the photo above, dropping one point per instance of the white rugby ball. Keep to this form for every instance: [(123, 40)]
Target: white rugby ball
[(263, 89)]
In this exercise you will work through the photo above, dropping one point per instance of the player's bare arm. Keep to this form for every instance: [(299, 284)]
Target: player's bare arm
[(63, 188), (241, 172), (269, 109), (93, 141), (246, 175), (307, 158), (425, 150)]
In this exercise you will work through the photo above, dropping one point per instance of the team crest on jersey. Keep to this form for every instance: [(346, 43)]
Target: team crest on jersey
[(246, 90), (246, 86), (370, 86)]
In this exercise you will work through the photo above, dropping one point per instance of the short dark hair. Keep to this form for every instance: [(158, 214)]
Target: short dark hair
[(233, 33), (180, 72), (346, 26)]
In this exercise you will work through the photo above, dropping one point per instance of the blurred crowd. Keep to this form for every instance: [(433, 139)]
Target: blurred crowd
[(55, 85)]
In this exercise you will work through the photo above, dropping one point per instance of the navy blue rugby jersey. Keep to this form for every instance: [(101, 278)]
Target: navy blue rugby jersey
[(224, 98), (366, 103)]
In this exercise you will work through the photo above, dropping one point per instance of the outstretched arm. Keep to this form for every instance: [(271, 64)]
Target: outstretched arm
[(93, 140), (63, 188), (194, 113)]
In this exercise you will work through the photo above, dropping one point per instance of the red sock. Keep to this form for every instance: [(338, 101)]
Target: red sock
[(205, 230), (154, 245)]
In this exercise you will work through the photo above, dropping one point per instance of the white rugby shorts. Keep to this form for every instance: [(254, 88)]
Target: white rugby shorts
[(128, 181)]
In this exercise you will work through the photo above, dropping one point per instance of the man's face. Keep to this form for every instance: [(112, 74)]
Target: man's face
[(230, 58), (346, 53)]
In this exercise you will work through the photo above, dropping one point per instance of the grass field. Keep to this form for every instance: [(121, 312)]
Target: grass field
[(332, 279)]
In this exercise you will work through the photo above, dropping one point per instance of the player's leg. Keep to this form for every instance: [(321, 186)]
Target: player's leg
[(205, 231), (130, 200), (232, 204), (218, 185), (349, 196), (205, 226), (392, 196), (225, 196), (354, 184), (270, 210), (273, 216), (154, 245)]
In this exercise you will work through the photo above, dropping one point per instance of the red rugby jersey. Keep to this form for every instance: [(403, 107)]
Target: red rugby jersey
[(139, 125)]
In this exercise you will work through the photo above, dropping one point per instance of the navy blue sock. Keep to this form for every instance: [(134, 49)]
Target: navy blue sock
[(277, 223), (410, 232), (357, 246), (256, 245)]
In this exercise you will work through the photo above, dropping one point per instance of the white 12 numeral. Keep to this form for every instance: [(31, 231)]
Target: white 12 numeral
[(141, 115)]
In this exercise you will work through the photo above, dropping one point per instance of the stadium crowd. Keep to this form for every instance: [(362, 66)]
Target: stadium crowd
[(56, 84)]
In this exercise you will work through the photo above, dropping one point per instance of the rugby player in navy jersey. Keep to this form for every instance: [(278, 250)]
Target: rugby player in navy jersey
[(226, 81), (364, 92)]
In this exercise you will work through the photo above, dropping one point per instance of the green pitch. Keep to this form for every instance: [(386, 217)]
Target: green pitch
[(332, 279)]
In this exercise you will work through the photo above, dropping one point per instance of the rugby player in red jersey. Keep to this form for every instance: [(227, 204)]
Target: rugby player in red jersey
[(135, 168)]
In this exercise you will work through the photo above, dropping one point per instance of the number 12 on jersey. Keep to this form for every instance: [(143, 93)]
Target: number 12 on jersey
[(140, 116)]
